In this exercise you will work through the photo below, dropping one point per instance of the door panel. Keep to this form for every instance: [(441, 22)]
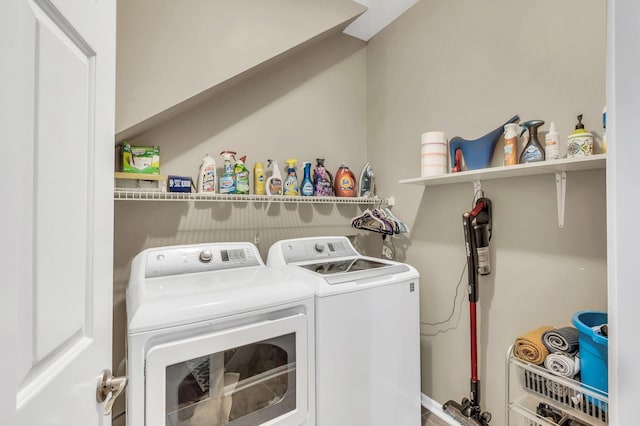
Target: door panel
[(64, 284)]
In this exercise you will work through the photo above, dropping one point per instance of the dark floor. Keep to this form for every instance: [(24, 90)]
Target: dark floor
[(430, 419)]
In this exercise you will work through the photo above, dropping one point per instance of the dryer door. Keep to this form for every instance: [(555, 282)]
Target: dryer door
[(249, 375)]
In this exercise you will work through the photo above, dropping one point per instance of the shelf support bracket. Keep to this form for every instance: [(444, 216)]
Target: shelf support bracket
[(477, 187), (561, 189)]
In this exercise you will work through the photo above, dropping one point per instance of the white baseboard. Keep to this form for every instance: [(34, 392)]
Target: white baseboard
[(436, 408)]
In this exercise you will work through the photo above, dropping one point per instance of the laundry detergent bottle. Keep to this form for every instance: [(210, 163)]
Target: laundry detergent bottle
[(307, 186), (242, 176), (207, 176), (274, 182), (345, 182), (228, 178), (291, 181), (322, 180)]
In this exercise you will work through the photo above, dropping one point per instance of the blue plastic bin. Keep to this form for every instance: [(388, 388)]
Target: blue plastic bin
[(594, 362)]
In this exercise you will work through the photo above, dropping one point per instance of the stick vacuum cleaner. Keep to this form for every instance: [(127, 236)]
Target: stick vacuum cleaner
[(477, 233)]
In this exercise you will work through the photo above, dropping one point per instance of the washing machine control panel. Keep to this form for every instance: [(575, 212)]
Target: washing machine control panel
[(169, 261), (316, 248)]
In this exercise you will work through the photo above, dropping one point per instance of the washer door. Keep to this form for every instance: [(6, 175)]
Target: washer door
[(250, 375)]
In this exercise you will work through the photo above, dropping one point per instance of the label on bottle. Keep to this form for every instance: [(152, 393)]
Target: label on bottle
[(291, 186), (322, 182), (227, 185), (209, 180), (242, 182), (580, 146), (346, 184), (551, 149), (510, 152), (531, 154), (307, 188)]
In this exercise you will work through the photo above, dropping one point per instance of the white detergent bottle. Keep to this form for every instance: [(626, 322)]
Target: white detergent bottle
[(274, 183), (207, 177)]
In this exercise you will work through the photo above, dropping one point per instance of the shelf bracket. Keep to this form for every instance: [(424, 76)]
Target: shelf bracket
[(477, 187), (561, 190)]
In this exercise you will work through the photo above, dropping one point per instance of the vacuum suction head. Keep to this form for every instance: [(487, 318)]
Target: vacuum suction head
[(466, 414)]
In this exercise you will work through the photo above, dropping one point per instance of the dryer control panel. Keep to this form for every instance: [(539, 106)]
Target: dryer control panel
[(176, 260), (304, 249)]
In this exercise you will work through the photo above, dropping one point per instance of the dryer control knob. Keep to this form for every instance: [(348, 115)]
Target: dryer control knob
[(206, 256), (319, 247)]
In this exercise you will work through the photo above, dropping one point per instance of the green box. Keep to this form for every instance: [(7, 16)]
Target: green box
[(141, 159)]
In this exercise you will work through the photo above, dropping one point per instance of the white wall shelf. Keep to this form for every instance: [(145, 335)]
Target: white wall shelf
[(129, 195), (558, 167)]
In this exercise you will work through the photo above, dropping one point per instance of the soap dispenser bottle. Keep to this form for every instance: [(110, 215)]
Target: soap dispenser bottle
[(274, 182), (580, 142), (322, 179), (307, 186), (207, 176), (533, 150), (291, 181), (228, 178)]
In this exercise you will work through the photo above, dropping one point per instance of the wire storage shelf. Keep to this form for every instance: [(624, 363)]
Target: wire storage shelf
[(133, 195), (566, 401)]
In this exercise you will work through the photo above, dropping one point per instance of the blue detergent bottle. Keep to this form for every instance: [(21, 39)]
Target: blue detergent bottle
[(307, 185)]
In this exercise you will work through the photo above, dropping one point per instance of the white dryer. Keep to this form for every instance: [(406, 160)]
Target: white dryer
[(215, 338), (367, 332)]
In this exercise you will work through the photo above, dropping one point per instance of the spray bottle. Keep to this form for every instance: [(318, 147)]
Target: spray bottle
[(207, 175), (533, 150), (307, 186), (291, 181), (258, 179), (242, 176), (274, 183), (322, 180), (228, 178)]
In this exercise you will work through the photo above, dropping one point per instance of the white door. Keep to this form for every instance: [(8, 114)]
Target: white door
[(61, 55)]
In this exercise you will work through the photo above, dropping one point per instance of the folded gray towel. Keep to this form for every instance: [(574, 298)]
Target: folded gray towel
[(563, 339)]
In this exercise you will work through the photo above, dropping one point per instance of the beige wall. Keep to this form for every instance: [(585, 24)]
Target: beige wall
[(464, 67), (308, 106), (169, 52)]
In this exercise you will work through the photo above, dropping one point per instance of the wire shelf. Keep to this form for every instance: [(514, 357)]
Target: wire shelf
[(132, 195), (573, 398)]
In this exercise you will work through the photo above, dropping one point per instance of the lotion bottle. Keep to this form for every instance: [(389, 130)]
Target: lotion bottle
[(207, 175), (551, 148)]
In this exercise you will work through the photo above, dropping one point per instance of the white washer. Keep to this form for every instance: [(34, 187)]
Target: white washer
[(367, 332), (215, 337)]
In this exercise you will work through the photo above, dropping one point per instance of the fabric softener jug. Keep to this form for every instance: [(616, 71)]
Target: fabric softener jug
[(322, 180), (345, 183)]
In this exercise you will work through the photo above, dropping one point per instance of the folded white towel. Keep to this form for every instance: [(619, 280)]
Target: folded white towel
[(562, 364)]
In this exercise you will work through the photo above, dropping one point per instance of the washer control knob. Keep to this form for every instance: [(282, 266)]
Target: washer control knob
[(205, 256), (319, 247)]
